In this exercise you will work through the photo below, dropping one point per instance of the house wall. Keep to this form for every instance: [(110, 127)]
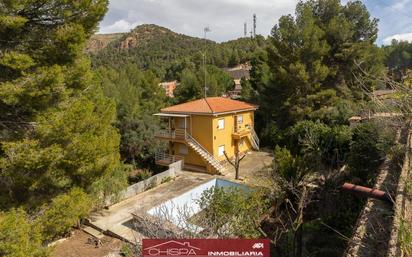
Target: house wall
[(224, 136), (204, 129), (200, 127)]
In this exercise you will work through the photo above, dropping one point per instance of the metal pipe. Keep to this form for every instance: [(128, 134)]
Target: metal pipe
[(367, 192)]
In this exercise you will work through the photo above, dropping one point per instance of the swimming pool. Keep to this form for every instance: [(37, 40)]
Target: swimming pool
[(179, 209)]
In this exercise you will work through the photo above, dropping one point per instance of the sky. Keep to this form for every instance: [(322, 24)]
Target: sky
[(225, 18)]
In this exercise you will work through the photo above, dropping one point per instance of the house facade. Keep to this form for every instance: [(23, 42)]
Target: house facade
[(238, 73), (169, 87), (200, 132)]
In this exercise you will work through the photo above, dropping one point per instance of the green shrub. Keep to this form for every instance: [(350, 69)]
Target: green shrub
[(405, 237), (140, 176), (286, 165), (19, 237), (232, 212), (322, 144), (63, 213), (369, 144), (126, 250), (166, 179)]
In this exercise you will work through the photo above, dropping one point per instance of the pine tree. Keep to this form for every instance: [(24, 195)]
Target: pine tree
[(312, 59), (56, 128), (19, 237)]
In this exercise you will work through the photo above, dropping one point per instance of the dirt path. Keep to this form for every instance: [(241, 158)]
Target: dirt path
[(77, 246)]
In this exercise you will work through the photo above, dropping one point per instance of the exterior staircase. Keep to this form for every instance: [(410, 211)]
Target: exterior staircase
[(254, 139), (198, 148)]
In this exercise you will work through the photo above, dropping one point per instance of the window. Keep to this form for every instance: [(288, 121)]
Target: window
[(181, 123), (183, 149), (239, 119), (221, 150), (220, 123)]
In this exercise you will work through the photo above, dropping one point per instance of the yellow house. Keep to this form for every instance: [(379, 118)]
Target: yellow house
[(201, 131)]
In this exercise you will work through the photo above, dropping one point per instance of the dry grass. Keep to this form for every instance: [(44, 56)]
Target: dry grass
[(405, 238)]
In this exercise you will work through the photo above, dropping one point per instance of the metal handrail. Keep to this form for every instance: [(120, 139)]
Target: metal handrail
[(188, 136), (255, 137), (169, 133), (168, 157)]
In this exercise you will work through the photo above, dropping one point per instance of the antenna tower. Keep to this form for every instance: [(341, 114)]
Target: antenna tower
[(245, 29), (206, 29), (254, 25)]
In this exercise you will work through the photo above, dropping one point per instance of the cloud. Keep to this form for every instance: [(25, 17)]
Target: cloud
[(400, 4), (118, 26), (224, 17), (398, 37)]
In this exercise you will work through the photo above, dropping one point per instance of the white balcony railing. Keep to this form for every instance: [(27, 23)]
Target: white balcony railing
[(166, 159), (172, 133)]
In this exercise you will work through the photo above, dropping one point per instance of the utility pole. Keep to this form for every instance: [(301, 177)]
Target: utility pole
[(206, 29), (254, 25), (245, 29)]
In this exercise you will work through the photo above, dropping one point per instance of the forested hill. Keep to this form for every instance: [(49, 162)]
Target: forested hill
[(100, 41), (157, 48)]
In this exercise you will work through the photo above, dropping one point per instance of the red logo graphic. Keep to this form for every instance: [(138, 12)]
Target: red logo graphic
[(206, 247)]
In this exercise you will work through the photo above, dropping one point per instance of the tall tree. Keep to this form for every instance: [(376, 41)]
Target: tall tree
[(398, 59), (312, 62), (138, 96), (56, 125)]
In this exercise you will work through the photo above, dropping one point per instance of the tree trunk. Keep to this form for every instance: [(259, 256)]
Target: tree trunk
[(237, 166)]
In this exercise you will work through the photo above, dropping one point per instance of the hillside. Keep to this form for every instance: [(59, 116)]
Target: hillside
[(157, 48), (100, 41)]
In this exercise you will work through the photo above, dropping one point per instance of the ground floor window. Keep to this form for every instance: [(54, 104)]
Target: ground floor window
[(183, 149), (221, 150)]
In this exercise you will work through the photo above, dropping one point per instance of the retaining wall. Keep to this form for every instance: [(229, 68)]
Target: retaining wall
[(146, 184)]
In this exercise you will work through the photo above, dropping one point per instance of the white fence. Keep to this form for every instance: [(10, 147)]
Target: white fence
[(146, 184)]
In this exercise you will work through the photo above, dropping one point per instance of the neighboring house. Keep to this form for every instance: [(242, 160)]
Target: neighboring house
[(237, 74), (169, 87), (200, 131)]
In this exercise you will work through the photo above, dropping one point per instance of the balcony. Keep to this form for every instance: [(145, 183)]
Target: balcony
[(165, 159), (238, 134), (171, 134)]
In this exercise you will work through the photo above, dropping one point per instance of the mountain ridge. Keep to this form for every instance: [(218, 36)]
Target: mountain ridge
[(152, 47)]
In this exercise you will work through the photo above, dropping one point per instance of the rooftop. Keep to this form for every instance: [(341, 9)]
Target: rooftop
[(210, 105)]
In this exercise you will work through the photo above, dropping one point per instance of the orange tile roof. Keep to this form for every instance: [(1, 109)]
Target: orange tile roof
[(210, 105)]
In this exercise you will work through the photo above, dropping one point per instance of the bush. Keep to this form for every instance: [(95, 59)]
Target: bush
[(166, 179), (320, 143), (19, 237), (369, 144), (286, 165), (140, 176), (232, 212), (111, 185), (64, 212)]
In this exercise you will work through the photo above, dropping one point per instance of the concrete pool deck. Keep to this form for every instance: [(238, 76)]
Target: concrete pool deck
[(251, 168), (114, 220)]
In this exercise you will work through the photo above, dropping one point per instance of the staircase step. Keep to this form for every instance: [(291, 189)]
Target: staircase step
[(93, 232)]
